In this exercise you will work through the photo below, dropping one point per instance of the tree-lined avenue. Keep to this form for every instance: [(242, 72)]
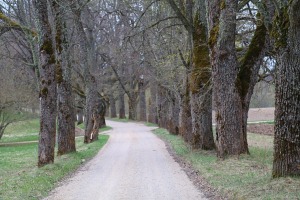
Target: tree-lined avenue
[(134, 164)]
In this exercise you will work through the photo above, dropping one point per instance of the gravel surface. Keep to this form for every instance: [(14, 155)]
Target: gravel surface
[(133, 165)]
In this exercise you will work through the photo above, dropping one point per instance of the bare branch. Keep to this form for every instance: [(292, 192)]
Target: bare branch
[(188, 25)]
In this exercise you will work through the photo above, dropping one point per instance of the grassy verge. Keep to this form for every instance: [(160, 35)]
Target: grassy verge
[(106, 128), (246, 177), (20, 178), (28, 130), (151, 124), (262, 122), (119, 120)]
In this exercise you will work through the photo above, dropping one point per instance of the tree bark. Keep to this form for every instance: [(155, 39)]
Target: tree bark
[(173, 116), (229, 115), (200, 89), (199, 99), (233, 81), (287, 104), (92, 116), (66, 120), (112, 106), (102, 110), (121, 104), (88, 57), (47, 86), (142, 102), (185, 118), (132, 105), (152, 112), (162, 107)]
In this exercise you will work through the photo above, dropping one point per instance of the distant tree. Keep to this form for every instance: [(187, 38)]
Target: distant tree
[(17, 93), (9, 112), (142, 99), (85, 29), (121, 103)]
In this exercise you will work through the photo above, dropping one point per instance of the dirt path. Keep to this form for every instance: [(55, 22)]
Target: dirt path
[(133, 165)]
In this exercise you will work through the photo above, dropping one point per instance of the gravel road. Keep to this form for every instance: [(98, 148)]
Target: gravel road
[(133, 165)]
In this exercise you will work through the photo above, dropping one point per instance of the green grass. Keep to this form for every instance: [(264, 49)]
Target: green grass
[(21, 131), (151, 124), (269, 122), (246, 177), (28, 130), (20, 178), (119, 120), (262, 122), (106, 128)]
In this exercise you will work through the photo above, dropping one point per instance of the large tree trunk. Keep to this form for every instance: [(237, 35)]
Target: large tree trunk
[(142, 102), (47, 86), (233, 85), (287, 105), (66, 120), (201, 113), (229, 115), (121, 104), (200, 89)]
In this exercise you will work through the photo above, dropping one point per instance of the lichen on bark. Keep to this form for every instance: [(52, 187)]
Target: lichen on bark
[(201, 71), (280, 27)]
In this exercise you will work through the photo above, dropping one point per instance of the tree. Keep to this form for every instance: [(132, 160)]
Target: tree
[(47, 69), (112, 106), (121, 103), (142, 99), (5, 118), (287, 104), (88, 58), (65, 119), (233, 80), (198, 84)]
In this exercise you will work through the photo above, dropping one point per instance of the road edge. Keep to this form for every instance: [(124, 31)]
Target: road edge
[(193, 174)]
